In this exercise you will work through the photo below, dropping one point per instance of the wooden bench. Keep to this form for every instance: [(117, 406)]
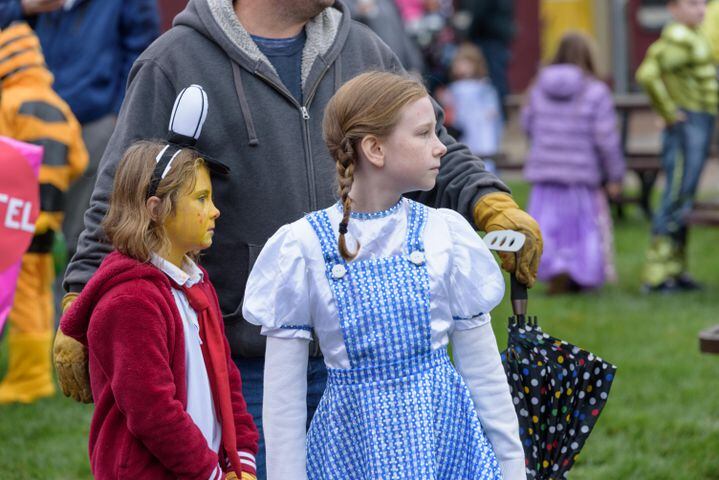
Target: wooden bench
[(504, 163), (709, 340), (646, 166), (705, 213)]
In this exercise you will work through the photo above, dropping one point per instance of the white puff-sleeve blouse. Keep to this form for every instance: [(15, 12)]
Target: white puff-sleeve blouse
[(289, 295)]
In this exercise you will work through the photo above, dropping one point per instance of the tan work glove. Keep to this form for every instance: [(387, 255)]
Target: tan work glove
[(70, 358), (245, 476), (497, 211)]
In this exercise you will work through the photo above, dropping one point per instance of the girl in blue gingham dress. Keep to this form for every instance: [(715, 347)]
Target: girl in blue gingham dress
[(383, 294)]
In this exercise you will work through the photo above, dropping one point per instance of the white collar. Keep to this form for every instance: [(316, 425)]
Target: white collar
[(189, 275)]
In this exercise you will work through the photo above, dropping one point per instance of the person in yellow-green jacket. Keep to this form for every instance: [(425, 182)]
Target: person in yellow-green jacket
[(32, 112), (710, 28), (679, 75)]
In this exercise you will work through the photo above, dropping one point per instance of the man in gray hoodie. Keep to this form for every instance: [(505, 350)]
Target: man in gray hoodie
[(269, 67)]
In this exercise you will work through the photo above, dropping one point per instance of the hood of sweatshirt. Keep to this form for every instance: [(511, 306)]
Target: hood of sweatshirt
[(217, 21), (561, 81), (114, 271)]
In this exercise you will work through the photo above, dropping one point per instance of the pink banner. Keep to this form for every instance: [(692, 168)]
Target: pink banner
[(19, 208)]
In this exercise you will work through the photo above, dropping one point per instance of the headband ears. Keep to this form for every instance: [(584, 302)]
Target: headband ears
[(188, 117)]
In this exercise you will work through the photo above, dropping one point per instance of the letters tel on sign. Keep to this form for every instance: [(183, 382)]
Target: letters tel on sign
[(19, 205)]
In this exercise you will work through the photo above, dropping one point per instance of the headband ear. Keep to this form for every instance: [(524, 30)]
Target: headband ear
[(163, 163), (188, 117)]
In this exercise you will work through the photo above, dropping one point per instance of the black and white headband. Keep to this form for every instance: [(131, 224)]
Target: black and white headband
[(188, 117)]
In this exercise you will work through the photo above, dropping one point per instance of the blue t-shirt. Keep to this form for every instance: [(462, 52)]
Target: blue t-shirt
[(286, 56)]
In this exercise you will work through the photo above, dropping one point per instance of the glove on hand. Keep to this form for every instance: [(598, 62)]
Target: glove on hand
[(245, 476), (70, 358), (497, 211)]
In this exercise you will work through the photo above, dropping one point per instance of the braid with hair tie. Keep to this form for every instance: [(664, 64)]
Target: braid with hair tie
[(345, 157)]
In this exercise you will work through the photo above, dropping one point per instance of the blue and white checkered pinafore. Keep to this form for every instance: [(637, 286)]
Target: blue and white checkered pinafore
[(401, 411)]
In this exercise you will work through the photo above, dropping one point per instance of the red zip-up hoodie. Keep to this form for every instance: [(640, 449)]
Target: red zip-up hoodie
[(127, 317)]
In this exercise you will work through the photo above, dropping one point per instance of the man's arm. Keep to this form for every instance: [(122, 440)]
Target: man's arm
[(139, 27), (465, 185), (710, 28), (144, 114), (667, 55), (649, 76), (463, 177)]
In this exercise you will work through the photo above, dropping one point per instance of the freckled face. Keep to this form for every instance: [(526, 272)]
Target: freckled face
[(413, 150), (191, 227)]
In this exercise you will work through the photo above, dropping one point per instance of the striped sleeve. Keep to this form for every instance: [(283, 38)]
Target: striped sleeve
[(216, 474), (247, 459)]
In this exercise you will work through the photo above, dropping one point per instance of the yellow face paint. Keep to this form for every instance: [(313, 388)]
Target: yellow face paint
[(191, 227)]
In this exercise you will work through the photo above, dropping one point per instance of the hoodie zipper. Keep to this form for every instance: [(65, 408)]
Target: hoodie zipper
[(304, 110), (305, 114)]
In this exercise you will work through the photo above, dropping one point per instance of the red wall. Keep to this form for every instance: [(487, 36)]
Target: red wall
[(525, 58), (168, 10), (639, 37)]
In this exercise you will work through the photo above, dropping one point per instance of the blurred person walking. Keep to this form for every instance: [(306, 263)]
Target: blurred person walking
[(383, 18), (492, 30), (32, 112), (575, 149), (89, 46), (679, 76), (473, 101)]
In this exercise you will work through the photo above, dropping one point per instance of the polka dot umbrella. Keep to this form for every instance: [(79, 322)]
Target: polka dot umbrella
[(558, 389)]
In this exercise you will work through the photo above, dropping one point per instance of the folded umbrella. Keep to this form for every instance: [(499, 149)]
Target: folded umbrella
[(558, 389)]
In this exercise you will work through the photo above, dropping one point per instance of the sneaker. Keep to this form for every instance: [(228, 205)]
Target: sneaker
[(667, 286), (686, 282)]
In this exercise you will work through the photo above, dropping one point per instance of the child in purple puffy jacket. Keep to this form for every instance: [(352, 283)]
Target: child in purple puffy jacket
[(575, 152)]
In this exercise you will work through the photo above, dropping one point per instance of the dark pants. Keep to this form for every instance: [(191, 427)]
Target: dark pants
[(497, 54), (251, 370), (684, 153)]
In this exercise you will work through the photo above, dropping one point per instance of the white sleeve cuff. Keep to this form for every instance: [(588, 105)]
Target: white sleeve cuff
[(303, 332), (467, 323), (513, 469), (284, 412)]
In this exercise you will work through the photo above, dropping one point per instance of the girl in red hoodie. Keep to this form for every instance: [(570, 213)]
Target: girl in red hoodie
[(168, 398)]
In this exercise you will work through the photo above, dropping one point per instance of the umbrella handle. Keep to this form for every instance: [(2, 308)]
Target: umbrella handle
[(518, 295)]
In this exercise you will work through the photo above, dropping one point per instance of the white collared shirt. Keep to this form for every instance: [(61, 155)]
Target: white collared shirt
[(200, 406)]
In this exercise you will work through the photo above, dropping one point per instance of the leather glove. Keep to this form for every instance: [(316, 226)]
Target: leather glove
[(245, 476), (70, 358), (498, 211)]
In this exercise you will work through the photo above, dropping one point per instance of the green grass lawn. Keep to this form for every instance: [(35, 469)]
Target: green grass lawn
[(661, 421)]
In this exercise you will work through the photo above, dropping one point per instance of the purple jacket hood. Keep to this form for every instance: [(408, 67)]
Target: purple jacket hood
[(561, 81), (571, 122)]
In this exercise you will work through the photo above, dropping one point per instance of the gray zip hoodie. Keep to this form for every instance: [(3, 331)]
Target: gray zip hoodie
[(281, 168)]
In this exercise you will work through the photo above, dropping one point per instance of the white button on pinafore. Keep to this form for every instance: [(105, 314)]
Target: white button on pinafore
[(416, 257), (338, 271)]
